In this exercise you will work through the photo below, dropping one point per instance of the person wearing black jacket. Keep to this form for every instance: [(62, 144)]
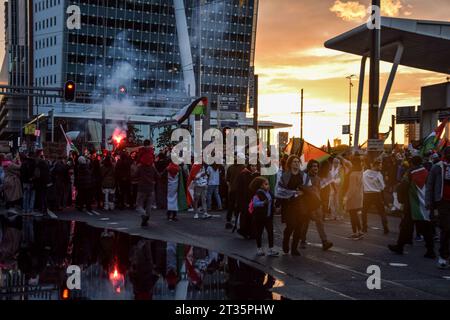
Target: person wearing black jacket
[(27, 171), (123, 180), (42, 181), (83, 183), (243, 199), (262, 208), (60, 174)]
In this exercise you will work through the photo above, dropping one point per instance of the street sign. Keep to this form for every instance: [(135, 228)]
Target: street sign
[(406, 115), (346, 129), (230, 124), (229, 103), (375, 145)]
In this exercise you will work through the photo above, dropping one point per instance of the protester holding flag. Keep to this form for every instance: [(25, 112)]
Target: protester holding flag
[(373, 183), (173, 173), (412, 194), (431, 142), (438, 197), (290, 188)]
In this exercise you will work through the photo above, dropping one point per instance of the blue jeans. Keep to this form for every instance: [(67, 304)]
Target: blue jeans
[(214, 190), (29, 195)]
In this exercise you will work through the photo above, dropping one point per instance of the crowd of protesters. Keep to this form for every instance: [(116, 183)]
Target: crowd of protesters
[(344, 185)]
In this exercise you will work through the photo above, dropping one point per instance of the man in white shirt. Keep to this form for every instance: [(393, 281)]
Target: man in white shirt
[(373, 183)]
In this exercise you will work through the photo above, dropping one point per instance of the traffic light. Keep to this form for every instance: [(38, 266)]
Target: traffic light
[(122, 93), (69, 91)]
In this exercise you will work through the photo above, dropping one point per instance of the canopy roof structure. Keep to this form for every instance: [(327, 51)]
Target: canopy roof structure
[(426, 43)]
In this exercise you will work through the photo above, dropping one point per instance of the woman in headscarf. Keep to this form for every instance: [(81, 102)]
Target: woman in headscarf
[(291, 188), (173, 171)]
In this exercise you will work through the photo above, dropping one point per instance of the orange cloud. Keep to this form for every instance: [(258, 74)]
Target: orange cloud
[(355, 11), (349, 11)]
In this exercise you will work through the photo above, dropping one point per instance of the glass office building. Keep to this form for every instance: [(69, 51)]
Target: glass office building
[(136, 44)]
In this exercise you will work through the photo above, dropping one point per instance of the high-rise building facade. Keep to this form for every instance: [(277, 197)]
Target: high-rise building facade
[(16, 68), (161, 56), (164, 52)]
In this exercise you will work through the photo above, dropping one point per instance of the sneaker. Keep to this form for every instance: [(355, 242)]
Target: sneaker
[(196, 216), (303, 244), (327, 245), (355, 236), (260, 252), (442, 263), (395, 248), (286, 247), (272, 253), (419, 238), (437, 238), (295, 253), (206, 216), (144, 222), (430, 254), (360, 235)]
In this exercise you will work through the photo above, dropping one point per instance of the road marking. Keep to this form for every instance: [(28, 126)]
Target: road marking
[(446, 277), (121, 229), (104, 219), (113, 223), (395, 264), (95, 212), (52, 215), (89, 213), (356, 254)]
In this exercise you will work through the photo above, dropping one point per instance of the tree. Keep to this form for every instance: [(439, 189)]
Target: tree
[(164, 139), (133, 136)]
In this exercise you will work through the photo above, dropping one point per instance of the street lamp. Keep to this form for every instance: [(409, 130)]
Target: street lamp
[(350, 85)]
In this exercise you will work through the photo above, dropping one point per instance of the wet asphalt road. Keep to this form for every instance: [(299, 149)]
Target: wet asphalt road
[(339, 273)]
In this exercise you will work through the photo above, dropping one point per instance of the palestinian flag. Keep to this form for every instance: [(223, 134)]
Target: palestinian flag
[(418, 179), (443, 143), (431, 142), (384, 136), (190, 183), (70, 145), (309, 152), (197, 107)]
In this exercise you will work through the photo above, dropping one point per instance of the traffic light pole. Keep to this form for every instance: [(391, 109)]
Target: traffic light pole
[(374, 85), (103, 144)]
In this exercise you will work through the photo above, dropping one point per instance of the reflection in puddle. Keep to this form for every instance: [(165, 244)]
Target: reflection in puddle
[(35, 254)]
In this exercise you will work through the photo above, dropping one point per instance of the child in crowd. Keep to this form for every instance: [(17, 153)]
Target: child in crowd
[(262, 208)]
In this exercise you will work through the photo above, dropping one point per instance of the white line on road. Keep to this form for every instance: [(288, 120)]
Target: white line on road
[(95, 212), (104, 219), (89, 213), (52, 215), (356, 254), (113, 223), (395, 264)]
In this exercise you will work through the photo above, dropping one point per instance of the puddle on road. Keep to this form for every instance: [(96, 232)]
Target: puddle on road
[(35, 254)]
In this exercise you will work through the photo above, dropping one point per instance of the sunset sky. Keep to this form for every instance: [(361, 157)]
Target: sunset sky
[(290, 55)]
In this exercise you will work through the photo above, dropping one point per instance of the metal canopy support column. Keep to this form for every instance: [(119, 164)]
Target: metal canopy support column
[(387, 90), (362, 74)]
